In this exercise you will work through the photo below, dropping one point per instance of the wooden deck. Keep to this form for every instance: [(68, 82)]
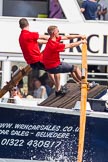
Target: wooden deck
[(68, 101)]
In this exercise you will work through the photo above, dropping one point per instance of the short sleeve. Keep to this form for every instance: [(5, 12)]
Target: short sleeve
[(35, 35), (60, 47)]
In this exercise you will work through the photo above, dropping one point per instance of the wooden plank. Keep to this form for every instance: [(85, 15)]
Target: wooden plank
[(52, 100), (74, 94), (69, 97), (94, 92), (84, 90)]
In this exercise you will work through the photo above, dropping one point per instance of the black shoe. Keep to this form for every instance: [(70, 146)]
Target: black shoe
[(62, 91), (59, 93)]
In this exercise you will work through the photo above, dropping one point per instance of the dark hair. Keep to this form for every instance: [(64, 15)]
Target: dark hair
[(51, 29), (23, 23)]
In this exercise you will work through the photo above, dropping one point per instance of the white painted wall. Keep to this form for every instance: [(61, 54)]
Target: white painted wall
[(95, 30)]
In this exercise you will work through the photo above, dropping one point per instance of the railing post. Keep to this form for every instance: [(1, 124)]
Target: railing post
[(83, 104)]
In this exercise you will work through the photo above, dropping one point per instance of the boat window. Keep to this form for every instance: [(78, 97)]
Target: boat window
[(25, 8), (35, 8)]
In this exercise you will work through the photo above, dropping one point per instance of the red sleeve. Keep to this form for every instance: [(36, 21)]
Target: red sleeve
[(35, 35), (60, 47)]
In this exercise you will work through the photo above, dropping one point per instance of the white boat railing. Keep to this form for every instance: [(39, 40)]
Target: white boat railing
[(103, 77), (98, 77)]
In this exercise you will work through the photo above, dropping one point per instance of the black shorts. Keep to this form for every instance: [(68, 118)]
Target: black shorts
[(38, 66), (62, 68)]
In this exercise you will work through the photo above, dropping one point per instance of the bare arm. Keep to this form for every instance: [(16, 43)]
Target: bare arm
[(42, 41), (45, 37), (75, 44), (73, 36)]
